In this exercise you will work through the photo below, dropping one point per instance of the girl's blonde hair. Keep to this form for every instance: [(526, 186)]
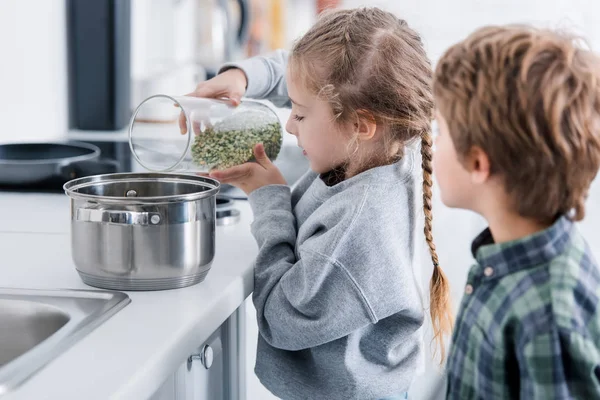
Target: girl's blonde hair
[(367, 63)]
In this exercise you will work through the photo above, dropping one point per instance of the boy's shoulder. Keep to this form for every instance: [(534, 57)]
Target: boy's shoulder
[(562, 294), (575, 285)]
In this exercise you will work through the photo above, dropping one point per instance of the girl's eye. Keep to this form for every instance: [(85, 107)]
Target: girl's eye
[(298, 118)]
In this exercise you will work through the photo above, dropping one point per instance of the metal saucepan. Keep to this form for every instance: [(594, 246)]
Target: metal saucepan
[(143, 231), (30, 163)]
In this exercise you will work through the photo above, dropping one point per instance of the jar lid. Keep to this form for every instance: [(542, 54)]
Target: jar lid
[(155, 137)]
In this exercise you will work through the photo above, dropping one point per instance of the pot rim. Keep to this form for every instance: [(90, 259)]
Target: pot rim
[(72, 187)]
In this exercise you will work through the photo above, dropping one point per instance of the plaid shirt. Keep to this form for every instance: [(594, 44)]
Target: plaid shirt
[(529, 322)]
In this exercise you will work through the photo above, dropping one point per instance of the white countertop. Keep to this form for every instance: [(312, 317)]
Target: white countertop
[(133, 352)]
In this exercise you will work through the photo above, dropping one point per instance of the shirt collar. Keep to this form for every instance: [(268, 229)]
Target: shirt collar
[(506, 258)]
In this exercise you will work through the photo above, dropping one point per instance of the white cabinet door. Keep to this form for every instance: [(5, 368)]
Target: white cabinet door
[(215, 371), (206, 369)]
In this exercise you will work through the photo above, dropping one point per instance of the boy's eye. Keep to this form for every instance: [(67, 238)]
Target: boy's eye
[(298, 117)]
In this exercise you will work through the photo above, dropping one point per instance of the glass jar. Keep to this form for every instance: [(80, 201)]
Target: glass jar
[(192, 134)]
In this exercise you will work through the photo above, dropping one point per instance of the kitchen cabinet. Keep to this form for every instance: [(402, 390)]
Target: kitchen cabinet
[(215, 370)]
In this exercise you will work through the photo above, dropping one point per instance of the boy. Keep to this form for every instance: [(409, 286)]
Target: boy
[(519, 143)]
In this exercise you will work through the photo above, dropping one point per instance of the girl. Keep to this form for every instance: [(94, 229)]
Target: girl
[(338, 305)]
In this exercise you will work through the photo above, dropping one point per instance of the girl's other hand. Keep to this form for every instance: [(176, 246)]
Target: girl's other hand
[(253, 175)]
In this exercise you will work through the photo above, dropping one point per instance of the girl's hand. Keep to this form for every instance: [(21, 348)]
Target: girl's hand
[(230, 84), (253, 175)]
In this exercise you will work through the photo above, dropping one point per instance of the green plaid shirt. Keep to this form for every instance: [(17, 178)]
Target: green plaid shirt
[(529, 322)]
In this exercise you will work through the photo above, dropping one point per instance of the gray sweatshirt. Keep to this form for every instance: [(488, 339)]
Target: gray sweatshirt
[(338, 305)]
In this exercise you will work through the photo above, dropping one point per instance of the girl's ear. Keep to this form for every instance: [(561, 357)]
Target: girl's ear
[(365, 125)]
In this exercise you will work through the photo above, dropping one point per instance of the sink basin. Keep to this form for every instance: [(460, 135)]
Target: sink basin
[(26, 324), (36, 326)]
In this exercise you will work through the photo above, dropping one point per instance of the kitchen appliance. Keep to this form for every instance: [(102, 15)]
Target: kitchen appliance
[(99, 34), (143, 231), (222, 28), (122, 51), (46, 167), (163, 48)]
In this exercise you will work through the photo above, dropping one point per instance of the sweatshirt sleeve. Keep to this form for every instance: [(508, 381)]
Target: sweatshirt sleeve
[(266, 77), (302, 300)]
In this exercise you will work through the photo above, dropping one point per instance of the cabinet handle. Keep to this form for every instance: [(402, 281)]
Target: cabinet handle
[(206, 357)]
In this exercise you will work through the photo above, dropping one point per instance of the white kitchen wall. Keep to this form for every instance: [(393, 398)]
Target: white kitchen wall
[(33, 70), (442, 23)]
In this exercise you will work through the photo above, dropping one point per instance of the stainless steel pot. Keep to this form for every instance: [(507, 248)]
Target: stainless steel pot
[(143, 231)]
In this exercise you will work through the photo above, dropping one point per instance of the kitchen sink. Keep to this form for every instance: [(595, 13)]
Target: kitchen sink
[(36, 326)]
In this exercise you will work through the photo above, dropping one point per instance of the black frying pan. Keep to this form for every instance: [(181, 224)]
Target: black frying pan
[(30, 163)]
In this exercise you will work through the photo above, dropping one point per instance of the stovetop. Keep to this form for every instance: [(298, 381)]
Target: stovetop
[(110, 150)]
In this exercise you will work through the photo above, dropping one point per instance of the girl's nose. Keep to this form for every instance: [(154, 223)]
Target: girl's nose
[(290, 126)]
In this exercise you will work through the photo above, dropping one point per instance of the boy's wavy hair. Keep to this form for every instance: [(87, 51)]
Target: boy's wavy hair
[(530, 99)]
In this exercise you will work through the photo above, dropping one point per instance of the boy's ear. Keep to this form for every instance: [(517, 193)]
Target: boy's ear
[(365, 125), (477, 163)]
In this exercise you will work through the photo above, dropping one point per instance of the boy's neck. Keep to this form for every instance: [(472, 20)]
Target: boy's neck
[(507, 226)]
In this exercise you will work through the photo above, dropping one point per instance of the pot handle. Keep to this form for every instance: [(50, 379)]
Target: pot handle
[(118, 217)]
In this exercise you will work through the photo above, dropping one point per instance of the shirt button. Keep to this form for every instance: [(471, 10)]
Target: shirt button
[(488, 271), (468, 289)]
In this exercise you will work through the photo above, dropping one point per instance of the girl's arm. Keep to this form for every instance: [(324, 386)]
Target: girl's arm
[(265, 77), (306, 300)]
